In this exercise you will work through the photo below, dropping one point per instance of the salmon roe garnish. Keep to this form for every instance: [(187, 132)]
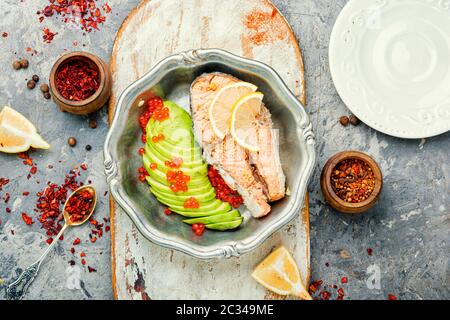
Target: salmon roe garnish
[(161, 114), (198, 228), (178, 180), (167, 211), (153, 166), (191, 203), (175, 163), (223, 191)]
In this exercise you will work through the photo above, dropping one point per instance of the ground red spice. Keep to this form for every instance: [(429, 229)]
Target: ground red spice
[(84, 13), (353, 180), (77, 80), (223, 191), (79, 205)]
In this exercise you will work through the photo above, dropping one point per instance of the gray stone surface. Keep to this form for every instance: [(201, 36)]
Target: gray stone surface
[(408, 229)]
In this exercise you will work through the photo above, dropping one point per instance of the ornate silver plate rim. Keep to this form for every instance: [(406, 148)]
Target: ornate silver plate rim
[(189, 59)]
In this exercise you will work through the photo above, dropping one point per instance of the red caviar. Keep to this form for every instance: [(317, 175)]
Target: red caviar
[(167, 211), (141, 151), (198, 228), (223, 191), (153, 166), (175, 163), (191, 203), (178, 180)]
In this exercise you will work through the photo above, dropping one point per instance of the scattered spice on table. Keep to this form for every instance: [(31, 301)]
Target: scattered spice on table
[(354, 120), (392, 297), (353, 180), (3, 182), (369, 251), (344, 120), (72, 142), (27, 219), (84, 13), (48, 35), (77, 80), (5, 34), (24, 63)]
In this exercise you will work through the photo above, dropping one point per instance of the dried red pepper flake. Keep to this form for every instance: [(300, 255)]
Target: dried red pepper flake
[(3, 182), (27, 219), (93, 239), (369, 251), (33, 170), (79, 205), (5, 34), (77, 80), (84, 166), (90, 269), (72, 250), (344, 280), (392, 297), (340, 292), (83, 262), (6, 197), (223, 191), (25, 193), (8, 210), (353, 180), (107, 228), (82, 254), (49, 240), (48, 35), (76, 241), (141, 151), (325, 295)]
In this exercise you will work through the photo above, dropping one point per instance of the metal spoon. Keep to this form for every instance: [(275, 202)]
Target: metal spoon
[(18, 288)]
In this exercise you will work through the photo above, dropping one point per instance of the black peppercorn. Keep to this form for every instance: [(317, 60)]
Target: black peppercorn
[(24, 63), (354, 120), (72, 142), (31, 84), (88, 147), (35, 78), (344, 120), (47, 95)]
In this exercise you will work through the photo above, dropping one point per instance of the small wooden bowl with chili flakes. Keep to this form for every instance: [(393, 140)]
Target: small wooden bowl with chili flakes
[(351, 182), (80, 83)]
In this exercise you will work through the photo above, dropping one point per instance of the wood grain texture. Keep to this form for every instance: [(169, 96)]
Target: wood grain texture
[(152, 31)]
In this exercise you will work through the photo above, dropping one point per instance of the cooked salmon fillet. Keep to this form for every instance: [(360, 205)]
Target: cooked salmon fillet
[(257, 176)]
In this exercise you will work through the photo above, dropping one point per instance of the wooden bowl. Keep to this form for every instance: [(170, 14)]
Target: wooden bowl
[(332, 198), (94, 102)]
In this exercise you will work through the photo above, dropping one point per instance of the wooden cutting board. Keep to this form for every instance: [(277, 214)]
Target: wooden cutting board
[(152, 31)]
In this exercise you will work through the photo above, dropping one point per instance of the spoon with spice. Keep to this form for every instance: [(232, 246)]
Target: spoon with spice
[(78, 208)]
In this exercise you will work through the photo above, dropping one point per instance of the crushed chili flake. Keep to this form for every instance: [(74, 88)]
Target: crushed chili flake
[(369, 251), (49, 240), (72, 250), (5, 34), (76, 241), (83, 262), (77, 80), (84, 13), (107, 228), (82, 254), (8, 210), (353, 180), (223, 191), (392, 297), (3, 182), (344, 280), (90, 269), (25, 193), (48, 35), (79, 205), (27, 219)]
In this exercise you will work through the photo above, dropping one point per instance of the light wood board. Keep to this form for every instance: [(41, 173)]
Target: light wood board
[(152, 31)]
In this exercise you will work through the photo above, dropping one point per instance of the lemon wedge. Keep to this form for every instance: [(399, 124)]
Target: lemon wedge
[(243, 116), (224, 100), (279, 273), (17, 133)]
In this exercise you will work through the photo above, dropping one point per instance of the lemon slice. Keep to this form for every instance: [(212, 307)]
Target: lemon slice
[(279, 273), (17, 133), (243, 116), (223, 102)]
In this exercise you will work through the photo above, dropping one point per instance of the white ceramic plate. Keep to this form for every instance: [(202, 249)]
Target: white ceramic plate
[(390, 63)]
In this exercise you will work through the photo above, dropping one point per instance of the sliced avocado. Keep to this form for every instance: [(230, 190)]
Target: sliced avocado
[(158, 175), (192, 172), (213, 205), (166, 190), (222, 226), (185, 164), (224, 208), (218, 218), (179, 199)]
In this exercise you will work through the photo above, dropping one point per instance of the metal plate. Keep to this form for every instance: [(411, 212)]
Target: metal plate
[(171, 78)]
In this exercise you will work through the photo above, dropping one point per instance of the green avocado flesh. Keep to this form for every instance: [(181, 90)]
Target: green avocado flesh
[(179, 142)]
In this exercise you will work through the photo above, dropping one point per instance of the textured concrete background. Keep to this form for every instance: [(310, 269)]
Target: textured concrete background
[(408, 229)]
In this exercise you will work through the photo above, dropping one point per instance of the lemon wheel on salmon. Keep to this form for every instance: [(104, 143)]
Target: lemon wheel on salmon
[(243, 116), (17, 133), (221, 107), (279, 273)]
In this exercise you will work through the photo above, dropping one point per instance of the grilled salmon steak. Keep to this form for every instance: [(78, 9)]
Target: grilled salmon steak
[(256, 175)]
